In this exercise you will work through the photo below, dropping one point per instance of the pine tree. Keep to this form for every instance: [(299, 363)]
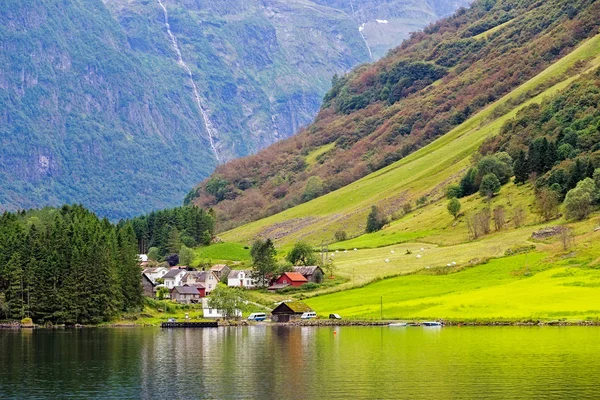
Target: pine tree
[(130, 271), (15, 293), (520, 167), (551, 156)]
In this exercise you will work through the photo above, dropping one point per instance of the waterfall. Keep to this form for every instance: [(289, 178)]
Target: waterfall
[(210, 130), (360, 30)]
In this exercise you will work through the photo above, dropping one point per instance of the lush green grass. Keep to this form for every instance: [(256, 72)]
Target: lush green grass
[(486, 34), (516, 288), (424, 172), (222, 252), (311, 158), (433, 224)]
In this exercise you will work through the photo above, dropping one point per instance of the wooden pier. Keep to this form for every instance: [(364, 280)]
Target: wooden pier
[(210, 324)]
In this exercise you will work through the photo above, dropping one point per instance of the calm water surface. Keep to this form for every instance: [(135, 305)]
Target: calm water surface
[(301, 363)]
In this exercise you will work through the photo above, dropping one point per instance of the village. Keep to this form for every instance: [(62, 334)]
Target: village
[(188, 285)]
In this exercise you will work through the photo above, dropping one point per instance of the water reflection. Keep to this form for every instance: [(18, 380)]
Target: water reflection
[(300, 362)]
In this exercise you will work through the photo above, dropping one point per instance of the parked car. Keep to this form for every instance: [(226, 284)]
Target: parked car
[(171, 320), (309, 315), (257, 316), (334, 316)]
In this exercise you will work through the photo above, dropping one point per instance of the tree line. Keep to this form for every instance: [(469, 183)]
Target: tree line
[(170, 229), (67, 266)]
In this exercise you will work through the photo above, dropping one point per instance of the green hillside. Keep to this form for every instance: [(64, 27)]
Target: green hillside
[(446, 81), (424, 173), (427, 264)]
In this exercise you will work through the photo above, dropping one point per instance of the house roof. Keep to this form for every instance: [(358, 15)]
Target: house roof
[(295, 276), (144, 276), (185, 290), (173, 273), (197, 285), (308, 270), (296, 307), (219, 267), (235, 273)]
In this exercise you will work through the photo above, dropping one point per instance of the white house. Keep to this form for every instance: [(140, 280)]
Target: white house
[(174, 277), (207, 278), (241, 278), (154, 273), (214, 313)]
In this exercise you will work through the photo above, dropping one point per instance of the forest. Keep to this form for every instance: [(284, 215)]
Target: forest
[(67, 266), (169, 229)]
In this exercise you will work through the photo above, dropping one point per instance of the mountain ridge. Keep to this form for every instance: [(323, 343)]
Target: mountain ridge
[(89, 86)]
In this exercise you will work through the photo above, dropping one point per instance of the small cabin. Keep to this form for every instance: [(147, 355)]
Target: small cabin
[(289, 311)]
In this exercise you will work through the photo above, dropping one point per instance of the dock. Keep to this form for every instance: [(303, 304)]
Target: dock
[(210, 324)]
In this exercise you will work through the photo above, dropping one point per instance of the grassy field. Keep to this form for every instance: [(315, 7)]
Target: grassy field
[(423, 173), (222, 252), (523, 287)]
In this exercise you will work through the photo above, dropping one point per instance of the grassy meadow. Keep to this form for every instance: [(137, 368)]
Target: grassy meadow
[(222, 252), (530, 286)]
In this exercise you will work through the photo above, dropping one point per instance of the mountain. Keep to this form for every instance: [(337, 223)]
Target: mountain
[(384, 112), (124, 105)]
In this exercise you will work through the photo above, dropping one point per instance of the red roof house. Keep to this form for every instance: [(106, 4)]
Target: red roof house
[(289, 279)]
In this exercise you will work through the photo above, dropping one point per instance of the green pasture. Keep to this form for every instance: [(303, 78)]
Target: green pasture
[(222, 252), (523, 287)]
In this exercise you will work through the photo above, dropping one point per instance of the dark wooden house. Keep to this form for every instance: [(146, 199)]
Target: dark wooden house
[(311, 273), (289, 311), (148, 286)]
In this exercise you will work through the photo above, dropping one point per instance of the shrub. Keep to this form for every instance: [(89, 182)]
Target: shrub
[(374, 220), (454, 207), (578, 203), (453, 191), (186, 255), (546, 203), (340, 236), (490, 185)]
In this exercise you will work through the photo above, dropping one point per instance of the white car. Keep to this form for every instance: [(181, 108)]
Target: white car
[(309, 315), (257, 316)]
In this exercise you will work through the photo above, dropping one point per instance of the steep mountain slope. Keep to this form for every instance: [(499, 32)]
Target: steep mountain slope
[(83, 119), (156, 92), (382, 113), (424, 174)]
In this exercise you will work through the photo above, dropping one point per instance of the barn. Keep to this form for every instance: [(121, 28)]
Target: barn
[(288, 311)]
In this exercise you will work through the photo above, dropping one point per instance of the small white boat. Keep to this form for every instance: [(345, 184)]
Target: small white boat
[(432, 323), (398, 324)]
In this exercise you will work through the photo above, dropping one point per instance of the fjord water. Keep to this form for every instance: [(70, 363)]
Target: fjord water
[(276, 362)]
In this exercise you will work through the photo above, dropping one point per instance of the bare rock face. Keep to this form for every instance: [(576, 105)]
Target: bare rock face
[(123, 105)]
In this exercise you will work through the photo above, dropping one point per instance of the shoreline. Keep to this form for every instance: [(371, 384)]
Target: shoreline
[(325, 323)]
